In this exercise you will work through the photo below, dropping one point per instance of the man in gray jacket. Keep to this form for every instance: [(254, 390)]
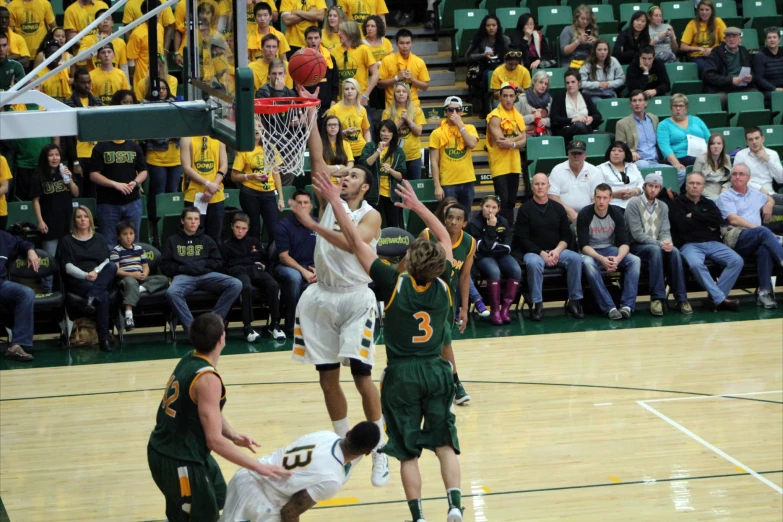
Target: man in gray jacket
[(647, 220)]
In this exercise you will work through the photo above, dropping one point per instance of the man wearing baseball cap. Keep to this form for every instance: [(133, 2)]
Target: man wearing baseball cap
[(107, 79), (724, 64), (647, 220), (571, 182), (451, 160)]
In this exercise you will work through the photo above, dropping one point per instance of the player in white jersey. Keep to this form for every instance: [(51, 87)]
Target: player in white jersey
[(320, 464), (336, 316)]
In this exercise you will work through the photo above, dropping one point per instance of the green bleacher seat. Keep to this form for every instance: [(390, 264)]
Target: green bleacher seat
[(89, 203), (777, 107), (493, 6), (684, 77), (746, 109), (773, 137), (316, 204), (554, 18), (678, 14), (59, 12), (628, 9), (670, 180), (596, 146), (425, 191), (613, 110), (750, 38), (21, 212), (604, 14), (611, 39), (660, 106), (761, 13), (447, 8), (544, 152), (708, 108), (169, 208), (726, 10), (556, 80), (733, 137), (467, 23), (509, 16), (144, 227)]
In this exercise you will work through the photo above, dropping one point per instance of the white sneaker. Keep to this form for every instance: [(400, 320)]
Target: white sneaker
[(276, 333), (380, 469), (252, 336), (455, 515)]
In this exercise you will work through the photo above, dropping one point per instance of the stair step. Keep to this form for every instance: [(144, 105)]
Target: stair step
[(421, 47), (418, 32), (442, 78), (440, 92)]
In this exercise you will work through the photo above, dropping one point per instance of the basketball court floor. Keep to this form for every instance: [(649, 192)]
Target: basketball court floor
[(649, 419)]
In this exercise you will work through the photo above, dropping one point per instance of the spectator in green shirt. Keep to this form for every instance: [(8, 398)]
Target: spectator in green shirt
[(11, 71)]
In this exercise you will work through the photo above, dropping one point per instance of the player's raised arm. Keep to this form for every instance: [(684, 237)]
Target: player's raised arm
[(410, 201), (351, 233), (298, 504), (314, 144)]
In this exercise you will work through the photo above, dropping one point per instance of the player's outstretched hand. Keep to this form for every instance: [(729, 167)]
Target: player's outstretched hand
[(408, 195), (245, 441), (271, 471), (322, 183), (304, 93)]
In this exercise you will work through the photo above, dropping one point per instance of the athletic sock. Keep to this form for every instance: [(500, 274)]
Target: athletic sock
[(454, 497), (456, 379), (341, 427), (129, 313), (415, 507), (379, 423)]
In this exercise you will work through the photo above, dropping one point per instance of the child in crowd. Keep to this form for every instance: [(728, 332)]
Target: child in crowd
[(133, 271), (244, 259)]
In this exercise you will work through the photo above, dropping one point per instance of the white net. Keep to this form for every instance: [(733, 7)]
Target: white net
[(284, 134)]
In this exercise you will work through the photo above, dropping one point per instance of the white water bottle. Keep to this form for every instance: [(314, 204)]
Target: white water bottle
[(64, 174)]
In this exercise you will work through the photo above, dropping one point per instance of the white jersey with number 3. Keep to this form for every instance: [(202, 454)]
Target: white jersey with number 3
[(336, 267)]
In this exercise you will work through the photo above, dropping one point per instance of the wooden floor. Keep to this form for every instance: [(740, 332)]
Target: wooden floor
[(596, 426)]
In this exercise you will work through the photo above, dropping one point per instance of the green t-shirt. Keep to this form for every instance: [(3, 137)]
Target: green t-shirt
[(28, 149), (416, 316), (11, 72), (178, 432)]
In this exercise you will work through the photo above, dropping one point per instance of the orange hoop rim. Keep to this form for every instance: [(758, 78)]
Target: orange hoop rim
[(280, 105)]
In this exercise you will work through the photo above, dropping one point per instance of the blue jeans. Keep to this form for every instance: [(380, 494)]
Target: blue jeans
[(695, 253), (414, 169), (163, 180), (22, 300), (292, 284), (761, 242), (493, 267), (462, 192), (569, 260), (473, 294), (110, 215), (47, 282), (656, 258), (182, 286), (650, 164), (630, 265), (99, 291)]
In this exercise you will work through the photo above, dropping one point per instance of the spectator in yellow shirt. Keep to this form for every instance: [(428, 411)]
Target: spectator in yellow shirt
[(410, 121), (251, 14), (451, 159), (702, 34), (107, 79), (360, 10), (355, 60), (260, 67), (138, 46), (404, 66), (204, 163), (141, 89), (166, 17), (105, 30), (31, 19), (331, 27), (5, 184), (298, 15), (17, 47), (510, 72), (353, 117), (262, 27), (80, 14), (59, 85), (338, 155), (57, 34)]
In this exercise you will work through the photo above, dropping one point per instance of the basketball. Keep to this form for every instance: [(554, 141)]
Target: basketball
[(307, 67)]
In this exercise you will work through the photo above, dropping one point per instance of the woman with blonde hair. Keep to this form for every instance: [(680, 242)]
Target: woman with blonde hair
[(410, 121), (353, 117), (702, 34), (662, 36), (331, 27), (714, 165), (354, 59), (577, 39)]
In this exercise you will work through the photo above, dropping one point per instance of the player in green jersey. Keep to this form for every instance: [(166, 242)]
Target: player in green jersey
[(417, 383), (190, 425)]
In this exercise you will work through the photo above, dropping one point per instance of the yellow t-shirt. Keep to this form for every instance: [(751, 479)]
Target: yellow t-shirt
[(456, 160), (5, 173), (382, 51), (165, 158), (351, 116), (205, 154), (30, 19), (78, 17), (505, 161), (295, 33), (261, 73), (384, 185), (391, 67), (120, 52), (140, 89), (689, 35), (520, 77), (348, 157), (329, 41), (17, 45), (253, 163), (84, 148), (138, 50), (57, 86), (133, 11), (357, 65), (254, 48), (412, 143), (105, 84), (360, 10)]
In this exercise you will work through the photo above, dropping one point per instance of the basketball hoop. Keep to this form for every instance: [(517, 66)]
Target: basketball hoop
[(285, 125)]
